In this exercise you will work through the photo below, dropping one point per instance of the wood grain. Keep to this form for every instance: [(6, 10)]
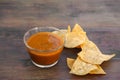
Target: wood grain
[(88, 13), (99, 18), (16, 64)]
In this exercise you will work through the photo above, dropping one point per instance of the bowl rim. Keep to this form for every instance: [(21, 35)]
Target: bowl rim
[(34, 49)]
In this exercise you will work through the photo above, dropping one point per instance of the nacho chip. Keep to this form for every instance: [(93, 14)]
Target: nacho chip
[(107, 57), (69, 29), (74, 38), (70, 62), (91, 54), (81, 68), (99, 70), (77, 28)]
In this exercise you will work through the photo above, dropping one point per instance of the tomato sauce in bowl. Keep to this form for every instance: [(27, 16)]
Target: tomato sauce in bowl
[(44, 48)]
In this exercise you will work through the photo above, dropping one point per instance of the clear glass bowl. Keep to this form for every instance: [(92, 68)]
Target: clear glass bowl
[(43, 58)]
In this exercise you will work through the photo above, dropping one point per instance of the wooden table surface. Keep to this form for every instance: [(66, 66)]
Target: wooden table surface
[(99, 18)]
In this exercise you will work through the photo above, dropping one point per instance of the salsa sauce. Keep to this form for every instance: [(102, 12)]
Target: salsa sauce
[(46, 47)]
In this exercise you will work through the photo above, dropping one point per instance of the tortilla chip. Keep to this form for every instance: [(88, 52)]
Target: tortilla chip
[(77, 28), (91, 54), (99, 70), (69, 29), (70, 62), (73, 40), (81, 68)]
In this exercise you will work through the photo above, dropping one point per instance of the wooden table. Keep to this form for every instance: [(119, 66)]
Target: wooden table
[(99, 18)]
